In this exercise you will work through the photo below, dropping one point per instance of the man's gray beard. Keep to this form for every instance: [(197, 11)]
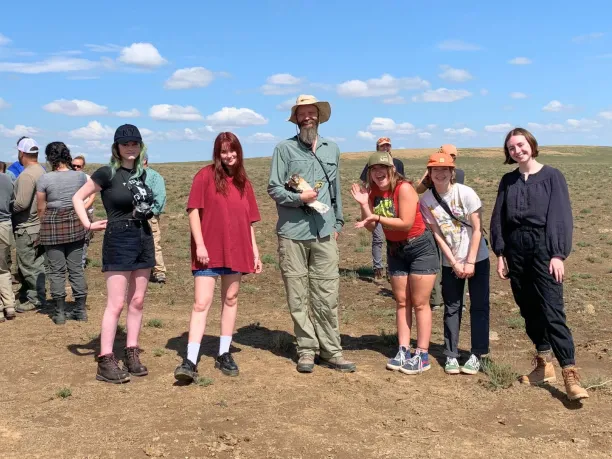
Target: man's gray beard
[(309, 135)]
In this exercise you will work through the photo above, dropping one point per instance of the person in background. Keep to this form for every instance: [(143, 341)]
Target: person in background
[(61, 232), (26, 227), (378, 236), (411, 255), (127, 250), (158, 186), (453, 212), (222, 210), (16, 168), (307, 248), (78, 164), (3, 167), (531, 234), (7, 297), (436, 302)]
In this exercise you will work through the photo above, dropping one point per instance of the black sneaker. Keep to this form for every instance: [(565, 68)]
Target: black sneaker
[(225, 363), (186, 372)]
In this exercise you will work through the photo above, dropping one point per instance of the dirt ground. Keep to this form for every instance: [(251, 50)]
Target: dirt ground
[(52, 406)]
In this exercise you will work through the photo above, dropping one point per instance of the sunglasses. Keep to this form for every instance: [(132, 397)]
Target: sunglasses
[(77, 166)]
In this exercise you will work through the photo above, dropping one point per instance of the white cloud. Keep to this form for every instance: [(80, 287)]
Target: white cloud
[(93, 131), (336, 139), (4, 40), (395, 100), (518, 95), (520, 61), (366, 135), (232, 117), (284, 79), (424, 135), (431, 127), (388, 125), (142, 55), (386, 85), (556, 106), (127, 113), (98, 145), (108, 48), (551, 127), (451, 74), (193, 77), (18, 131), (461, 131), (584, 124), (262, 137), (4, 104), (56, 64), (503, 127), (442, 95), (484, 92), (286, 105), (457, 45), (606, 115), (166, 112), (588, 37), (281, 84), (75, 107)]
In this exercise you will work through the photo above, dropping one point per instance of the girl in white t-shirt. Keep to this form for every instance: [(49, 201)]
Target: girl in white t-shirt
[(453, 212)]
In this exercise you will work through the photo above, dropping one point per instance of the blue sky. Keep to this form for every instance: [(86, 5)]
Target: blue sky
[(462, 72)]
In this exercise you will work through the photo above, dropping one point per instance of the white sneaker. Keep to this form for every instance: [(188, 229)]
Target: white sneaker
[(472, 366)]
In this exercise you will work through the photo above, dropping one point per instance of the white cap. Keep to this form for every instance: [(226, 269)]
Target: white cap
[(28, 145)]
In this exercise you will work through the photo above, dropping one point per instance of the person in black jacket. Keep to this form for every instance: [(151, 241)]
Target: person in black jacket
[(378, 237), (531, 234)]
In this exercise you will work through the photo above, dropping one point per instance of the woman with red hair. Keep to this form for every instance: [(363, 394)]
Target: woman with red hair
[(222, 209)]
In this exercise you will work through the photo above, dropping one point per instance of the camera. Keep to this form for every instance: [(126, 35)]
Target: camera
[(142, 211)]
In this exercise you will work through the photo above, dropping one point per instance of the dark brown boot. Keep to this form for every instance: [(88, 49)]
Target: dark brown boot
[(132, 362), (109, 370)]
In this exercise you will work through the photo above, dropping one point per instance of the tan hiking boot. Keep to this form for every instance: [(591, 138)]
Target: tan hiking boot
[(305, 363), (378, 276), (544, 371), (338, 363), (572, 384)]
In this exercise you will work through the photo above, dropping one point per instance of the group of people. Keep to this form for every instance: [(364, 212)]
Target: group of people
[(437, 239)]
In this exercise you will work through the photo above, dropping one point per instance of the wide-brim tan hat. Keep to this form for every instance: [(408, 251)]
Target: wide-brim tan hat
[(304, 99)]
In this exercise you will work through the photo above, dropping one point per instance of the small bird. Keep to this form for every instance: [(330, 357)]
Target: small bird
[(298, 184)]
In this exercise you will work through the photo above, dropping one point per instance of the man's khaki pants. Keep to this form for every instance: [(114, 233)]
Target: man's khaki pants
[(160, 267), (7, 297), (310, 272)]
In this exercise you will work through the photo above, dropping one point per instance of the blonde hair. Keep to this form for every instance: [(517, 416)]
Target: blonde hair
[(82, 158)]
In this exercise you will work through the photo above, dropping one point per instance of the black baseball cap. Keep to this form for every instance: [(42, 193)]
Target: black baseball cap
[(127, 133)]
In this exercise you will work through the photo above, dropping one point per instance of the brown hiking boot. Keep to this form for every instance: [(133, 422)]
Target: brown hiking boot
[(378, 276), (305, 363), (544, 371), (132, 362), (338, 363), (109, 371), (572, 384)]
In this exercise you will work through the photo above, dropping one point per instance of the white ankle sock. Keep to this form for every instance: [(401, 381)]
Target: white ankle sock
[(224, 344), (193, 350)]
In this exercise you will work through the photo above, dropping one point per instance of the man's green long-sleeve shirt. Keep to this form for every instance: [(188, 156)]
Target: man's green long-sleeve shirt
[(290, 157)]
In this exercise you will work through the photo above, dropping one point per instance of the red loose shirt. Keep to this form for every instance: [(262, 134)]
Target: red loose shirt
[(226, 223), (386, 204)]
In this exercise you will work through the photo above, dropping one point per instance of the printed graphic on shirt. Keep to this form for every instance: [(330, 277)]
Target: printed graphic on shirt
[(451, 228)]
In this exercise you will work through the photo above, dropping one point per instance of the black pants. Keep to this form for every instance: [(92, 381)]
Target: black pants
[(452, 291), (538, 295)]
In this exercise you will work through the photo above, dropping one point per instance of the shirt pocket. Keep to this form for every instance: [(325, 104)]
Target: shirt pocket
[(301, 167)]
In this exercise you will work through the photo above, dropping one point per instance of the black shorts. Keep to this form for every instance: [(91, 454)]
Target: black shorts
[(414, 256), (128, 246)]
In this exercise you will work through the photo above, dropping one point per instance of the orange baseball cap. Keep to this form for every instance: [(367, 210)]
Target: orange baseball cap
[(383, 141), (449, 149), (441, 160)]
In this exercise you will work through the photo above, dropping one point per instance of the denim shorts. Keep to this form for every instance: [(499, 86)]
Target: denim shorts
[(414, 256), (127, 246), (213, 272)]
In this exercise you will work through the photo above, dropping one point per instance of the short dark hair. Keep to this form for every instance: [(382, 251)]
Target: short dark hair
[(58, 153), (531, 140)]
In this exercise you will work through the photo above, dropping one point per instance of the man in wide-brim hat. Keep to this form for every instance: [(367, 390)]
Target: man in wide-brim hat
[(308, 252)]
